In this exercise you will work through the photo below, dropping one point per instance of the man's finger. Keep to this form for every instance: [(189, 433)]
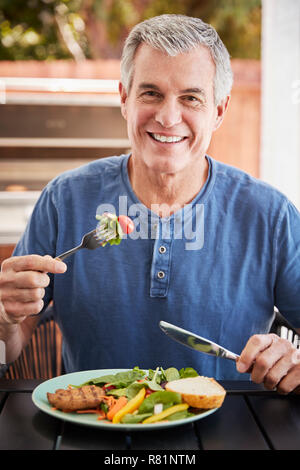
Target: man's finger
[(26, 279), (16, 312), (285, 374), (45, 264), (255, 345), (266, 360), (23, 295)]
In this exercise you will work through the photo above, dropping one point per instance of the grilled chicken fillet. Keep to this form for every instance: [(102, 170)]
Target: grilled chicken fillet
[(88, 396)]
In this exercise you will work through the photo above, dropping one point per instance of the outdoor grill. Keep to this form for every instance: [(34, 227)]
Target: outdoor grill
[(48, 126)]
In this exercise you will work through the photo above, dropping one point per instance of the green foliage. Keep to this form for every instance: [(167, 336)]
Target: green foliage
[(238, 24), (77, 29), (29, 29)]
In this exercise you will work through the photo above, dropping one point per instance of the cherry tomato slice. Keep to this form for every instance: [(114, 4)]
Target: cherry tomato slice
[(126, 223)]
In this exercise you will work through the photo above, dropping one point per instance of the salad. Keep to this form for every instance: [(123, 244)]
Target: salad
[(113, 228), (136, 396)]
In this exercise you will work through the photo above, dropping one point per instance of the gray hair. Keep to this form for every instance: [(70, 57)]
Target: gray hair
[(175, 34)]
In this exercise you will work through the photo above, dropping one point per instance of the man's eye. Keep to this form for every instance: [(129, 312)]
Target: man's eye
[(192, 99), (151, 93), (149, 96)]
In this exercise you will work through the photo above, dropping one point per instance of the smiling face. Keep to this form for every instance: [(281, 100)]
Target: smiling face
[(170, 109)]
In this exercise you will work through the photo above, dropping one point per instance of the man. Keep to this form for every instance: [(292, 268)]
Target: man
[(220, 279)]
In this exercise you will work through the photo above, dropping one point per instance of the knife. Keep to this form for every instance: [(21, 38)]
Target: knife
[(196, 342)]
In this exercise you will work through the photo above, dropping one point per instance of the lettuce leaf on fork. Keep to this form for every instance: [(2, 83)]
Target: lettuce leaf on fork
[(110, 224)]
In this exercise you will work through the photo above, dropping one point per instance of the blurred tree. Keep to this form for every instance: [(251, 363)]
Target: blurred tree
[(238, 23), (80, 29), (42, 29)]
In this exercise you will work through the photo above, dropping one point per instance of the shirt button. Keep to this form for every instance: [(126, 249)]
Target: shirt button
[(162, 249), (160, 274)]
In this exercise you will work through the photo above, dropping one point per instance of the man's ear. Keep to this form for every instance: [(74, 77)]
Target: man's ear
[(221, 110), (123, 95)]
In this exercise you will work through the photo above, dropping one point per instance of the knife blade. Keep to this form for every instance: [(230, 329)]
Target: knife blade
[(196, 342)]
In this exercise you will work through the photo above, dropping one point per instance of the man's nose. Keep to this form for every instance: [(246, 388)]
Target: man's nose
[(168, 114)]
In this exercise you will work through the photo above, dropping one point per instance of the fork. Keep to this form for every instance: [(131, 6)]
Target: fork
[(91, 240), (288, 334), (284, 330)]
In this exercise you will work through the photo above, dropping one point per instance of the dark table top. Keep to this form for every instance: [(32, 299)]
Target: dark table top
[(249, 419)]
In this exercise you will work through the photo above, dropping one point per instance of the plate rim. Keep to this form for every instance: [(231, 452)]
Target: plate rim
[(86, 420)]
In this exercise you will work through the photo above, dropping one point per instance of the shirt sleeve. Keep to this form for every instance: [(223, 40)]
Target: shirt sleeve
[(40, 234), (287, 258)]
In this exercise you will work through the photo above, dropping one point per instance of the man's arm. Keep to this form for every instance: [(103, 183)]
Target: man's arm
[(272, 360), (23, 280), (16, 336)]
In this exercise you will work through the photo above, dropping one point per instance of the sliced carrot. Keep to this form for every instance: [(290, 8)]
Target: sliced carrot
[(111, 401), (102, 415), (120, 402)]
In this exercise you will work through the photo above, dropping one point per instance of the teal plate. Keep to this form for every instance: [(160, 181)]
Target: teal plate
[(39, 398)]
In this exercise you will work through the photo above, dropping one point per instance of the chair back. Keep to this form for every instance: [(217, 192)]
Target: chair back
[(41, 358)]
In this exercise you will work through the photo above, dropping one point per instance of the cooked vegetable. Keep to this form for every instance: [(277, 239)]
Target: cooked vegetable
[(131, 406), (120, 403), (164, 414), (113, 227)]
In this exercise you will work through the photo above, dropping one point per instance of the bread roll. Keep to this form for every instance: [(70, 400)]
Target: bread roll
[(199, 392)]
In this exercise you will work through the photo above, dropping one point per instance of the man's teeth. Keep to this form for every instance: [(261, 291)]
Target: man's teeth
[(164, 138)]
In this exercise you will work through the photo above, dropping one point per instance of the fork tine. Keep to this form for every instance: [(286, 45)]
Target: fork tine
[(106, 239), (290, 336), (283, 332), (102, 235), (295, 341)]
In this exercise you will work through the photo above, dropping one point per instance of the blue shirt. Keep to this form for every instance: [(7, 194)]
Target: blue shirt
[(216, 267)]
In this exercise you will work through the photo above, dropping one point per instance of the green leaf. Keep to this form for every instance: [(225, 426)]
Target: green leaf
[(134, 418), (119, 380), (180, 415), (111, 225), (152, 385), (171, 374), (133, 389), (187, 372), (165, 397), (117, 392)]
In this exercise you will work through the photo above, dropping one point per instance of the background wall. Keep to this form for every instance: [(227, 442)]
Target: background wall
[(280, 142)]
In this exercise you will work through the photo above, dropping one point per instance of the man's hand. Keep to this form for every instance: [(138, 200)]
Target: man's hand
[(273, 361), (23, 280)]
